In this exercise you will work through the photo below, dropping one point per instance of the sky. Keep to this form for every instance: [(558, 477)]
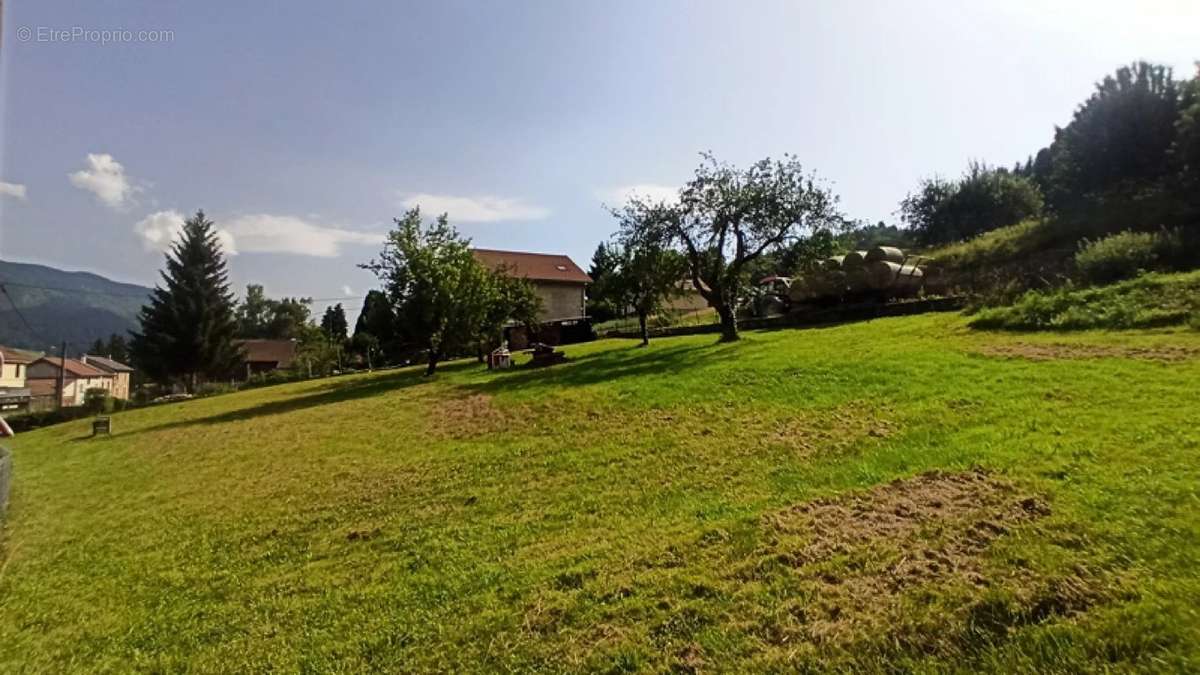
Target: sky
[(303, 128)]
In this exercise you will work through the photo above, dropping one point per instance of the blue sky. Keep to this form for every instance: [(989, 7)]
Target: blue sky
[(302, 128)]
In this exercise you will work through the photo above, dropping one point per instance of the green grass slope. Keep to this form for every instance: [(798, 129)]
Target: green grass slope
[(1150, 300), (757, 507)]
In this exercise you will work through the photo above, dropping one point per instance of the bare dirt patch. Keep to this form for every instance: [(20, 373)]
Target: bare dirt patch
[(466, 417), (940, 563), (858, 556), (1056, 351)]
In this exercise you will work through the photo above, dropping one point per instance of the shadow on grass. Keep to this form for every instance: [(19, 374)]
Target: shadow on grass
[(602, 366), (606, 366), (334, 392)]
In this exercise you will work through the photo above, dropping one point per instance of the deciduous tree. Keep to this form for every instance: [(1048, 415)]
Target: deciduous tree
[(440, 294), (648, 273), (727, 217), (984, 199)]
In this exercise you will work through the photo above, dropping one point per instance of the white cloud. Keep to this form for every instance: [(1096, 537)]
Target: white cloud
[(259, 233), (617, 196), (105, 178), (346, 290), (475, 209), (12, 190), (160, 228), (266, 233)]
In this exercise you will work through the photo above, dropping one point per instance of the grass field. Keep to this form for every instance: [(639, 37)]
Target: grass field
[(901, 494)]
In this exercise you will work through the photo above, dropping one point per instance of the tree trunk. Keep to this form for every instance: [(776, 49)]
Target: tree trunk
[(645, 332), (729, 328), (433, 359)]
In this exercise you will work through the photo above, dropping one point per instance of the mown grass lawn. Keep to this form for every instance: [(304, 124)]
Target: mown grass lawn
[(902, 494)]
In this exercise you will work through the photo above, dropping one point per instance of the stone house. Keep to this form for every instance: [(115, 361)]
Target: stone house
[(558, 281)]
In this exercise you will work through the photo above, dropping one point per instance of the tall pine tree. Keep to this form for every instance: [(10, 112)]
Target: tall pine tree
[(189, 326), (334, 324)]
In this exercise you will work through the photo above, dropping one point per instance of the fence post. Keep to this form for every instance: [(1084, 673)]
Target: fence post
[(5, 478)]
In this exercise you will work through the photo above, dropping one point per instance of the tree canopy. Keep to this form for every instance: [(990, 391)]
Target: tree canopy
[(648, 274), (444, 301), (602, 303), (985, 198), (188, 328), (726, 218), (260, 317), (1118, 139), (334, 324)]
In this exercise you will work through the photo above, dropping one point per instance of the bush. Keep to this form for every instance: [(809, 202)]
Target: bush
[(97, 401), (1120, 256), (214, 388)]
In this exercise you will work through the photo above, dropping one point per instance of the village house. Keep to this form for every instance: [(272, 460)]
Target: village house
[(561, 285), (77, 378), (120, 372), (14, 366), (262, 356)]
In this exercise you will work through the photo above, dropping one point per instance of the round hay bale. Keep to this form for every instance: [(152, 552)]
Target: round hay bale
[(826, 284), (886, 253), (909, 279), (854, 259), (832, 264), (856, 279), (881, 274)]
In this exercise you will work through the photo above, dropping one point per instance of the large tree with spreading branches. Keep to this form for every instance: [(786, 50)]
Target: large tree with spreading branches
[(726, 218)]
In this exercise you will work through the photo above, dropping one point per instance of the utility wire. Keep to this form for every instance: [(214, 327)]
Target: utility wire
[(16, 309)]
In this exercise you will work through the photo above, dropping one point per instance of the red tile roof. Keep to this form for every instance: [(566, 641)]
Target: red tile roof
[(10, 355), (76, 368), (280, 352), (536, 266)]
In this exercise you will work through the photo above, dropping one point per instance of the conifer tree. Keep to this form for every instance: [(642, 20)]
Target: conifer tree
[(334, 324), (188, 329)]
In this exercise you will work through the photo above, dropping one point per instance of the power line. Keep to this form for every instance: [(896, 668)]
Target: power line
[(16, 309)]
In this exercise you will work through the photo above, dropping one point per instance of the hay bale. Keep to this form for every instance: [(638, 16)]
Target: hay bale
[(832, 264), (885, 253), (881, 274), (854, 259), (909, 280), (856, 279), (824, 284)]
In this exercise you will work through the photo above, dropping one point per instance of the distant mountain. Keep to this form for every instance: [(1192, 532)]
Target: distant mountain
[(78, 307)]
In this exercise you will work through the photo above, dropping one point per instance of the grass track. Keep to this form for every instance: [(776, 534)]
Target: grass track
[(615, 513)]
